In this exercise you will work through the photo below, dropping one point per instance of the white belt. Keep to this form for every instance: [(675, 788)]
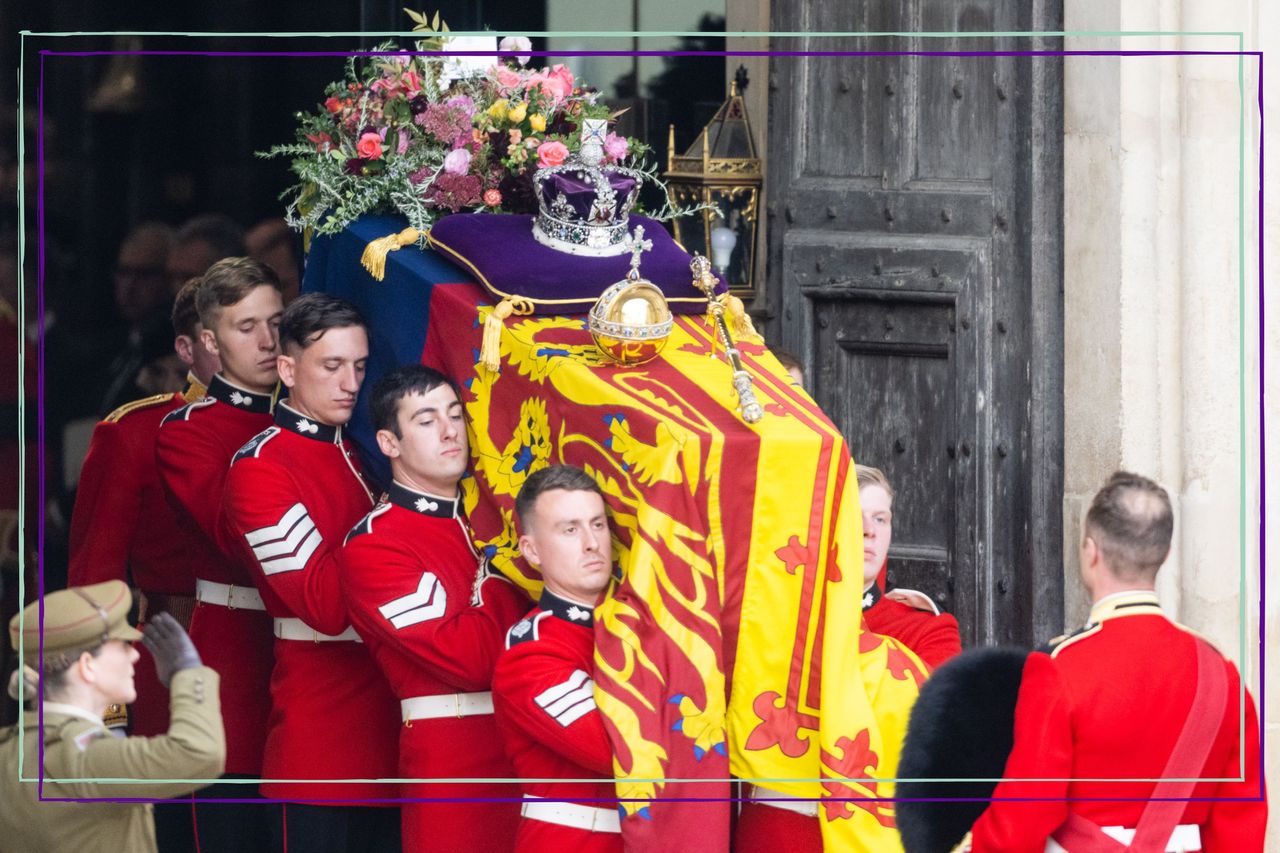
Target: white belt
[(571, 814), (779, 800), (1185, 838), (447, 705), (296, 629), (228, 596)]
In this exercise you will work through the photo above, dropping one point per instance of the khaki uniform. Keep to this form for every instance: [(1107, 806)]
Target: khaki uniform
[(78, 747)]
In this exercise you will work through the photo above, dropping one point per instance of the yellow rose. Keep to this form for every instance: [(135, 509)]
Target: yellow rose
[(538, 122), (516, 114), (499, 108)]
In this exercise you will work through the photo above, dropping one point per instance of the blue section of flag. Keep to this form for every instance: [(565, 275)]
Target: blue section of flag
[(397, 309)]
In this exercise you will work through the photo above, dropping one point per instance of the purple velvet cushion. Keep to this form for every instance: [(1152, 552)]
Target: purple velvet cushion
[(500, 250)]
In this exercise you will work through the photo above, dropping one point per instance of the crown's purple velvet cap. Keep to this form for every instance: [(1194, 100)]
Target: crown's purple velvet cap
[(581, 192), (502, 249)]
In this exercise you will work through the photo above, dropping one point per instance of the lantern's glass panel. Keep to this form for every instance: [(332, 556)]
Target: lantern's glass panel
[(737, 211)]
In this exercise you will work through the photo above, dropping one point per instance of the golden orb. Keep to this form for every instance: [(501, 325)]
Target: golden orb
[(631, 321)]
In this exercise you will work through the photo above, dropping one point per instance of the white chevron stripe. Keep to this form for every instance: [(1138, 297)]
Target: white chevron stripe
[(568, 701), (426, 603), (287, 545), (279, 529), (296, 562)]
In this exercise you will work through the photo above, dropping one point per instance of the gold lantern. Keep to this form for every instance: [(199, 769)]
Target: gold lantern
[(721, 170)]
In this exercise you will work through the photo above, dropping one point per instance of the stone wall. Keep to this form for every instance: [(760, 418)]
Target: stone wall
[(1161, 305)]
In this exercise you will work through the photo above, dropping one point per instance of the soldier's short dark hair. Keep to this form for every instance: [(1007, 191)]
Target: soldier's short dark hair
[(1131, 520), (185, 316), (311, 315), (394, 385), (228, 281), (569, 478)]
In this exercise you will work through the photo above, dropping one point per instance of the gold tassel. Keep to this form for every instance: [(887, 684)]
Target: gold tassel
[(742, 325), (374, 258), (491, 344)]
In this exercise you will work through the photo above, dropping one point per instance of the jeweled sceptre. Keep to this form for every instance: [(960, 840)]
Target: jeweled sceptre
[(704, 280)]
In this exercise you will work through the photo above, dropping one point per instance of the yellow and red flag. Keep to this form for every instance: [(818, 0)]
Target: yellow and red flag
[(732, 639)]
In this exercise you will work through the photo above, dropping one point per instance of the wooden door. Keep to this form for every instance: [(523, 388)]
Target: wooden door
[(914, 265)]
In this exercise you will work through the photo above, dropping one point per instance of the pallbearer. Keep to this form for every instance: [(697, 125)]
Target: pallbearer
[(123, 528), (434, 615), (542, 688), (239, 304), (908, 616), (293, 493)]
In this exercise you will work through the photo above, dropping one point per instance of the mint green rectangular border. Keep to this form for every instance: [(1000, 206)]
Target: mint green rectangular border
[(1239, 36)]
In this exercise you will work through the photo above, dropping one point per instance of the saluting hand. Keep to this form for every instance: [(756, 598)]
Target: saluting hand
[(170, 645)]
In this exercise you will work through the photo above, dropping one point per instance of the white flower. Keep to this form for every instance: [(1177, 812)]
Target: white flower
[(518, 45)]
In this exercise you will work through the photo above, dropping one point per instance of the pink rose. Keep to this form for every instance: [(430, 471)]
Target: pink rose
[(457, 161), (508, 80), (492, 198), (553, 88), (411, 83), (551, 154), (616, 147), (369, 146), (564, 75)]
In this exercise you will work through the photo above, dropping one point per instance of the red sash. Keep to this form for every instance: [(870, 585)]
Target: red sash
[(1080, 835)]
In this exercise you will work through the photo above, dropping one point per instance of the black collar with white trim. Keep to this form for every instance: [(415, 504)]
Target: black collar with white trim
[(563, 608), (872, 597), (423, 503), (225, 391), (291, 420)]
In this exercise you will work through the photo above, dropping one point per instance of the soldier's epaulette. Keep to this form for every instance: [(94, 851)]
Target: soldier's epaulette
[(365, 525), (524, 630), (135, 405), (1057, 644), (254, 445), (183, 413)]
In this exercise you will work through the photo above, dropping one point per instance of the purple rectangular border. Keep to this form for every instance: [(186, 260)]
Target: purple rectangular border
[(40, 357)]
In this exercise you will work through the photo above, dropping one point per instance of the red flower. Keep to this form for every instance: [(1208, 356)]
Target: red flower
[(370, 146), (492, 198), (333, 105), (322, 141)]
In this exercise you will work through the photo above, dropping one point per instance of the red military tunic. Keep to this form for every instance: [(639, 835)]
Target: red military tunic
[(123, 529), (1109, 702), (193, 452), (770, 820), (434, 616), (543, 696), (934, 637), (293, 493)]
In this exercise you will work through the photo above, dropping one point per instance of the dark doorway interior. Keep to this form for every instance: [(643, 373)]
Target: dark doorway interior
[(915, 261)]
